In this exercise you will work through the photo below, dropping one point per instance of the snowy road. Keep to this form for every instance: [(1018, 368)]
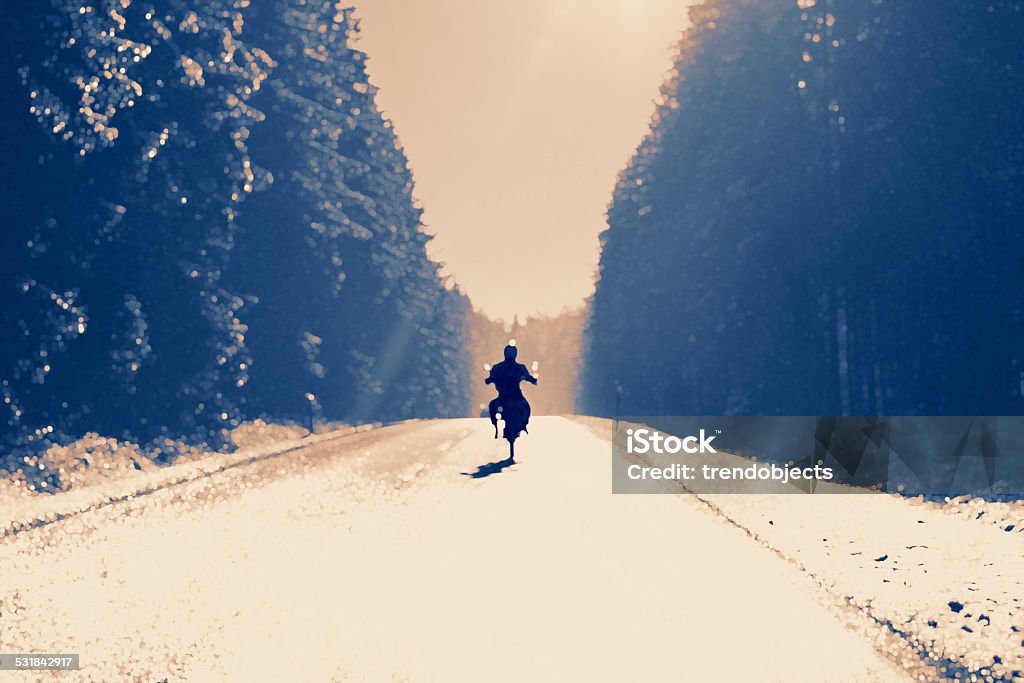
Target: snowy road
[(375, 557)]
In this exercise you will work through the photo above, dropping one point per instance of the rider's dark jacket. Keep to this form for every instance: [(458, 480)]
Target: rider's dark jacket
[(506, 376)]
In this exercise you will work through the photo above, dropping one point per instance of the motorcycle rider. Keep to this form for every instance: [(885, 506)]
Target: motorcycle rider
[(506, 376)]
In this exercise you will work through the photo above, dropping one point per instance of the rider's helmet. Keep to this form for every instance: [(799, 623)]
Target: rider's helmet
[(510, 352)]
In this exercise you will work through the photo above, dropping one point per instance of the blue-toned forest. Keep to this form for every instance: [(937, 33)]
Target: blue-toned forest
[(206, 219), (826, 218)]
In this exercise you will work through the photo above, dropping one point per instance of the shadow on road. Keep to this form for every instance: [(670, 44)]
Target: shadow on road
[(490, 468)]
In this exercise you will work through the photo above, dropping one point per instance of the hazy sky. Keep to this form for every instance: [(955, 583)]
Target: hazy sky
[(517, 116)]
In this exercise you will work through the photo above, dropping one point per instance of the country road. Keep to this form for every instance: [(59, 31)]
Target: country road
[(377, 557)]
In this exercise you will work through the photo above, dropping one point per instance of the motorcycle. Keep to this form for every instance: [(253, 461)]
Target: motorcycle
[(514, 418)]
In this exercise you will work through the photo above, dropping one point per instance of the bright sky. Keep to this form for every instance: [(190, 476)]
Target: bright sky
[(517, 117)]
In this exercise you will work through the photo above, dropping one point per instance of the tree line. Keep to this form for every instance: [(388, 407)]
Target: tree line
[(207, 219), (824, 219)]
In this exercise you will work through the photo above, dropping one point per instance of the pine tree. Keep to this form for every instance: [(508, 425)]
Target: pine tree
[(206, 196), (826, 197), (124, 325), (334, 251)]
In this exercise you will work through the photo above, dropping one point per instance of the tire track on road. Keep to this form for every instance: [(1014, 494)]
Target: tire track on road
[(932, 665), (348, 437)]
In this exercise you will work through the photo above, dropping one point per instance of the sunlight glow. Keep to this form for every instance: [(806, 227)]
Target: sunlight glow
[(517, 118)]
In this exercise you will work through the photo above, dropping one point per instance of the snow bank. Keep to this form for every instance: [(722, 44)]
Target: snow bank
[(95, 470), (946, 578)]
